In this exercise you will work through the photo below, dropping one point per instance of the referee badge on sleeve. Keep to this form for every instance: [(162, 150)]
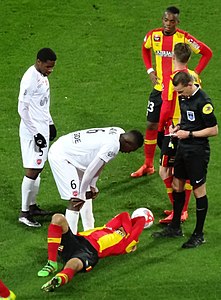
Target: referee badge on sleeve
[(207, 109), (190, 115)]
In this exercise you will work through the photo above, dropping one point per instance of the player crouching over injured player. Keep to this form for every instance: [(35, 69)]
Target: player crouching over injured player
[(81, 252)]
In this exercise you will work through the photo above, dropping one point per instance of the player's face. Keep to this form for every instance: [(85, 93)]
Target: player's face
[(127, 147), (45, 68), (185, 91), (170, 22)]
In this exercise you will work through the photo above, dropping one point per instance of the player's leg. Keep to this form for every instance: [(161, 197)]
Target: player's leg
[(33, 163), (34, 209), (87, 216), (56, 229), (67, 180), (198, 170), (150, 142)]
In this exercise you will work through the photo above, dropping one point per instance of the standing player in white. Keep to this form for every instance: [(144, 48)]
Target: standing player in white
[(36, 129), (76, 160)]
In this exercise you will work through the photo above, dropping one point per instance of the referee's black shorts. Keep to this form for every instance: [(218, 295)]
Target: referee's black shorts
[(74, 246), (191, 162), (154, 106)]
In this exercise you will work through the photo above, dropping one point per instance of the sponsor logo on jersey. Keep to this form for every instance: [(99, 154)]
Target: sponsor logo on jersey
[(25, 92), (194, 44), (190, 115), (164, 53), (207, 109), (39, 161), (156, 38)]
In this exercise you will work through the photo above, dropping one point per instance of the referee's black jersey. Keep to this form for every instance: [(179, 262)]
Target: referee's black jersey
[(196, 114)]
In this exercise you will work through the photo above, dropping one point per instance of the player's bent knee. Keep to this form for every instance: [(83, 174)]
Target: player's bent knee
[(58, 219)]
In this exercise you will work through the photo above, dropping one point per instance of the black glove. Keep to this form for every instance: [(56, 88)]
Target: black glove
[(52, 132), (40, 141)]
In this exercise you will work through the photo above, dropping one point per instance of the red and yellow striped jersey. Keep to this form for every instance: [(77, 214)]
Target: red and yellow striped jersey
[(170, 109), (163, 45), (110, 240)]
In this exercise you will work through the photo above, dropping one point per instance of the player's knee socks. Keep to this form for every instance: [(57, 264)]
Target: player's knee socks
[(4, 291), (188, 190), (201, 211), (54, 240), (87, 216), (26, 191), (35, 190), (150, 143), (179, 199), (168, 184), (72, 219), (66, 275)]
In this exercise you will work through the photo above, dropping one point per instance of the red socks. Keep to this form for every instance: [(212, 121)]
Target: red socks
[(150, 144), (54, 240), (168, 184), (66, 275)]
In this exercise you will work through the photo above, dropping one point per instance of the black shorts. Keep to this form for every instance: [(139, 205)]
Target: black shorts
[(191, 162), (168, 151), (74, 246), (154, 106)]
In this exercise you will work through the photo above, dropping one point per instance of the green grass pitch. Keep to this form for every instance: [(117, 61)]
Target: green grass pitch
[(100, 80)]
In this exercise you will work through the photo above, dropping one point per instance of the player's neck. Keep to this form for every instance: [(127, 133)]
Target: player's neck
[(178, 66)]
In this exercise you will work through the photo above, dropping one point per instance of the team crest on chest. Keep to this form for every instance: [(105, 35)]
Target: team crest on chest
[(190, 115), (156, 38)]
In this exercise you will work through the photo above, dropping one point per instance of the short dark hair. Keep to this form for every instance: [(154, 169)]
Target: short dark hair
[(183, 78), (173, 10), (45, 54), (182, 52), (138, 137)]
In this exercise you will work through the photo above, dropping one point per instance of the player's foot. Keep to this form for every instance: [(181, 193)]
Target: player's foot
[(167, 220), (49, 286), (167, 212), (48, 269), (28, 220), (184, 216), (10, 297), (143, 170), (35, 210), (168, 232), (194, 241)]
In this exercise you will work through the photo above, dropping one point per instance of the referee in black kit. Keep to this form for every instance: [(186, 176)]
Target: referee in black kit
[(198, 122)]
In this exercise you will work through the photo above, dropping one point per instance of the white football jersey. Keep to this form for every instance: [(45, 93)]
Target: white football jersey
[(35, 92), (81, 147)]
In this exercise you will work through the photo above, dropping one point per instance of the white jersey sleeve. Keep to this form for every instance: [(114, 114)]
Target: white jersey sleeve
[(34, 103)]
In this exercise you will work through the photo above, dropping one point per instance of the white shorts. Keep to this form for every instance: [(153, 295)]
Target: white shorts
[(32, 156), (67, 176)]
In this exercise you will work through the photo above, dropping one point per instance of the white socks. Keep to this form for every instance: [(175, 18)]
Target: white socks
[(35, 190), (29, 191), (87, 216), (72, 218)]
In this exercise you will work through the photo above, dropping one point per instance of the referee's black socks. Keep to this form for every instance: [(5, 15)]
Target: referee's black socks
[(178, 204), (201, 211)]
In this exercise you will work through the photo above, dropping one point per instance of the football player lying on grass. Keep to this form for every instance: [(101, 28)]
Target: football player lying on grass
[(81, 252)]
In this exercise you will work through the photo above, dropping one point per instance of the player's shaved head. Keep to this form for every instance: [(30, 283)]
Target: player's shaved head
[(131, 141)]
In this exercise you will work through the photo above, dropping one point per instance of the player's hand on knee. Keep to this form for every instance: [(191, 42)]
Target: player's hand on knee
[(40, 141), (93, 193), (76, 204)]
